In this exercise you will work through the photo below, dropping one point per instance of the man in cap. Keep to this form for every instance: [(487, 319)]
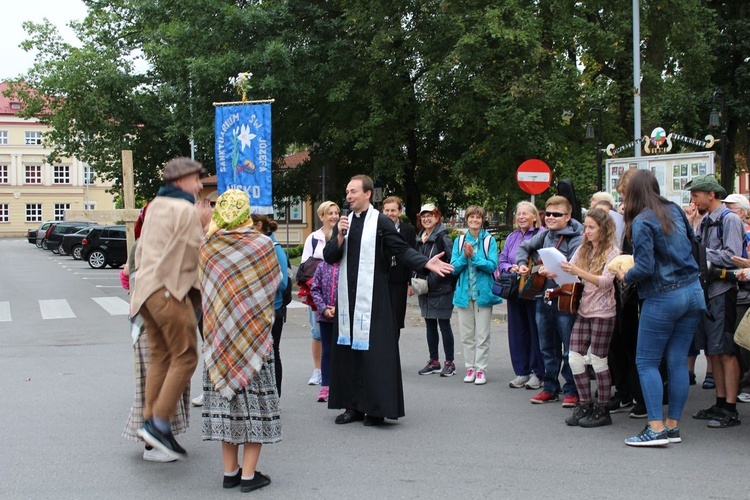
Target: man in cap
[(168, 294), (723, 234)]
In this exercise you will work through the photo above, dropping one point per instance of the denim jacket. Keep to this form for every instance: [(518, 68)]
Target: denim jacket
[(662, 262)]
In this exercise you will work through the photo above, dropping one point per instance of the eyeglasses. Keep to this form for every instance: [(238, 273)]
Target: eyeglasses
[(556, 215)]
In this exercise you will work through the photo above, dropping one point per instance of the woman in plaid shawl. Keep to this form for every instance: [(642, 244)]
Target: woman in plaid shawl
[(240, 274)]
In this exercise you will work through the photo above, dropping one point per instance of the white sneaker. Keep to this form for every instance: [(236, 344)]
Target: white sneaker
[(481, 379), (519, 381), (534, 383), (471, 375), (156, 455), (197, 401), (744, 397), (316, 378)]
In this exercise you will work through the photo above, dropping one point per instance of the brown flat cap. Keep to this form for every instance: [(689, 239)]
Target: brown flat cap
[(180, 167)]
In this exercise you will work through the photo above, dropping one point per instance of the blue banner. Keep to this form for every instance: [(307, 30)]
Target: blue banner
[(243, 152)]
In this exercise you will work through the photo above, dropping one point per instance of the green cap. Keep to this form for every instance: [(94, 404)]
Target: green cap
[(707, 183)]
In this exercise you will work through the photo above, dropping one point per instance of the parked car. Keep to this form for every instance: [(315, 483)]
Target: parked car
[(106, 245), (72, 243), (32, 234), (57, 230)]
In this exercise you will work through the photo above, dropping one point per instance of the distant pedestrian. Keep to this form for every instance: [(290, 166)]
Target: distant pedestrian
[(474, 260), (167, 296), (240, 277)]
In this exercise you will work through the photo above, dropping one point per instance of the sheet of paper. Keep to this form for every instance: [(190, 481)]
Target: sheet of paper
[(552, 257)]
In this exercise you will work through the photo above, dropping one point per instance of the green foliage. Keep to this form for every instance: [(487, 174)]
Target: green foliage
[(432, 98)]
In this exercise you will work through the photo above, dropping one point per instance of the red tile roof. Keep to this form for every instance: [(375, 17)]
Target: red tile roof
[(6, 104)]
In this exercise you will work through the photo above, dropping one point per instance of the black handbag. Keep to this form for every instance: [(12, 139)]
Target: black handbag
[(506, 285)]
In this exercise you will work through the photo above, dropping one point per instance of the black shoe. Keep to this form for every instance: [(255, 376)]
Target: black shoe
[(618, 404), (708, 413), (164, 442), (232, 481), (371, 421), (724, 418), (583, 410), (639, 411), (350, 416), (257, 482), (597, 418)]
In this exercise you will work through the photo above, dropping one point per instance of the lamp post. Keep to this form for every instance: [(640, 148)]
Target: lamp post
[(590, 135), (718, 119)]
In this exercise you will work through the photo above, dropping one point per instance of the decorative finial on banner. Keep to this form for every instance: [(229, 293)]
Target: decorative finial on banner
[(242, 83)]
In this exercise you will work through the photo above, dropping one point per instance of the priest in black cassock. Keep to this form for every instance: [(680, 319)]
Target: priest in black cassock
[(365, 362), (399, 276)]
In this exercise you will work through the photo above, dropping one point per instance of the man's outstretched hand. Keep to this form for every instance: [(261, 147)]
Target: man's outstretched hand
[(438, 266)]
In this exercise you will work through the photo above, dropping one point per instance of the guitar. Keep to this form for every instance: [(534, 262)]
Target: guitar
[(531, 284), (568, 297)]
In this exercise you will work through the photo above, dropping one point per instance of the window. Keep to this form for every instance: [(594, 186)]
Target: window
[(3, 137), (33, 174), (33, 212), (60, 209), (89, 206), (88, 174), (33, 138), (61, 174), (4, 214), (4, 174)]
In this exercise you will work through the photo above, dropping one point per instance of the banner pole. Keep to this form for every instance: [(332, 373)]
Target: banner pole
[(237, 103)]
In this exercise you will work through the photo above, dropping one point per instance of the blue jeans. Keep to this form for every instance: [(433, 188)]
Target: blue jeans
[(554, 329), (666, 328)]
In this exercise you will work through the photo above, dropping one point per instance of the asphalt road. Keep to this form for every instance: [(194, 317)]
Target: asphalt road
[(67, 385)]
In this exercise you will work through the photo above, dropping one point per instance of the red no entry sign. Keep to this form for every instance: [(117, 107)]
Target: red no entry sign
[(534, 176)]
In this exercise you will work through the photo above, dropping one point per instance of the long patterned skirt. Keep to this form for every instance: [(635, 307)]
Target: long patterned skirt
[(181, 418), (252, 416)]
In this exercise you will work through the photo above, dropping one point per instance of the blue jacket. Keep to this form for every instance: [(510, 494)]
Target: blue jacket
[(662, 262), (485, 265), (278, 301)]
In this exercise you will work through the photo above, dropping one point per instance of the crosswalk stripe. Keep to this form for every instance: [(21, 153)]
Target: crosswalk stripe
[(5, 311), (115, 306), (56, 309)]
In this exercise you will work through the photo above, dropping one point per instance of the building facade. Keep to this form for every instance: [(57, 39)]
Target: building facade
[(32, 190)]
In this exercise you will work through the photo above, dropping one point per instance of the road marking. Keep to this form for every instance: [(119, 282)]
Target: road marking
[(115, 306), (5, 311), (296, 305), (55, 309), (108, 286), (105, 278)]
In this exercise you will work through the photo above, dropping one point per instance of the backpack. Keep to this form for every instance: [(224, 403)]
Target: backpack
[(287, 293), (486, 242), (719, 224), (306, 270)]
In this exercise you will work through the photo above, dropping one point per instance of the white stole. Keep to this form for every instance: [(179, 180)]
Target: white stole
[(359, 339)]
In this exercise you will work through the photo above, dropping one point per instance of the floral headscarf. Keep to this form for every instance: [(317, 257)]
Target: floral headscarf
[(232, 210)]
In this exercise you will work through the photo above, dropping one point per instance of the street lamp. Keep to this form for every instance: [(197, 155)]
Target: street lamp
[(589, 136), (718, 119)]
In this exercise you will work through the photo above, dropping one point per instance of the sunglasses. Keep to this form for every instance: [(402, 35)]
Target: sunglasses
[(556, 215)]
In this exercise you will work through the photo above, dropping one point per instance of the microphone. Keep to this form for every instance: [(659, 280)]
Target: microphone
[(345, 213)]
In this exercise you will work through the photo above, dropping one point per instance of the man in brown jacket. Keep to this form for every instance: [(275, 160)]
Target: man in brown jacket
[(167, 294)]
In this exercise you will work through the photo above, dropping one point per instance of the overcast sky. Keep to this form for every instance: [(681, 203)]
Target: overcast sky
[(13, 60)]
